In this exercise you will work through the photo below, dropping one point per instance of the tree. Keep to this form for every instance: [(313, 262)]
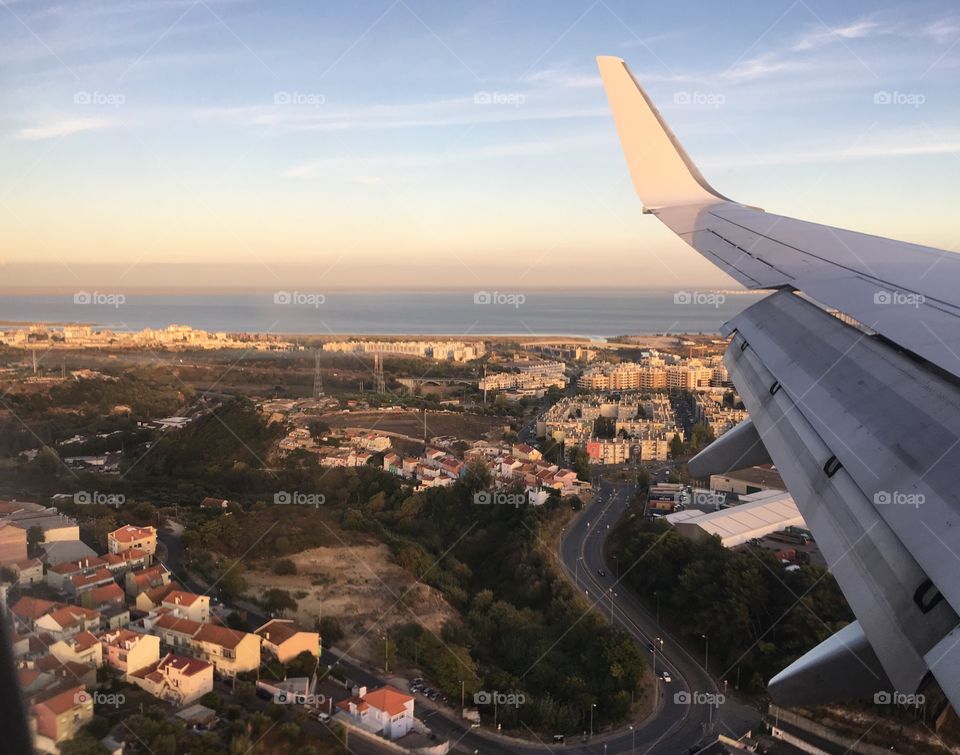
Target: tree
[(278, 601), (580, 463), (284, 567), (701, 436), (232, 582), (318, 429), (35, 536), (305, 664), (330, 630), (676, 446), (83, 744)]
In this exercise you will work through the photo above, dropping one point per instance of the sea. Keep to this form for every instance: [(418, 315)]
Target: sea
[(596, 314)]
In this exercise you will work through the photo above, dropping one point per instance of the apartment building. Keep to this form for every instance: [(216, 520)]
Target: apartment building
[(130, 537)]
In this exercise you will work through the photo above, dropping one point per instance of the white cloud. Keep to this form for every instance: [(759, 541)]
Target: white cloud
[(62, 128), (824, 35)]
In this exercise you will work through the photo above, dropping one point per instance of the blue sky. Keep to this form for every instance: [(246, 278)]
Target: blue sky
[(449, 144)]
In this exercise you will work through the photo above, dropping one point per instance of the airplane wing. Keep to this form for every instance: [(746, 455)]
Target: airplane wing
[(851, 374)]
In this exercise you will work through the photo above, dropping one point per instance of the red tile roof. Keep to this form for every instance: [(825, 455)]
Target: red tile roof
[(228, 638), (33, 608), (182, 664), (63, 701), (181, 598), (175, 624), (388, 699), (129, 533)]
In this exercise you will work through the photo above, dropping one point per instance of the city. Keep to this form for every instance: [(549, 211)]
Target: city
[(390, 377)]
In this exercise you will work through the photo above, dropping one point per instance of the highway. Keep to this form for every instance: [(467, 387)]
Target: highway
[(676, 727)]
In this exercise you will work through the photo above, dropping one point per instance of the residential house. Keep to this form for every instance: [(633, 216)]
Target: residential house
[(194, 607), (67, 621), (174, 630), (129, 560), (78, 584), (284, 640), (140, 581), (29, 571), (81, 648), (127, 651), (229, 650), (215, 503), (176, 679), (60, 716), (28, 609), (111, 602), (385, 711), (129, 537), (59, 574)]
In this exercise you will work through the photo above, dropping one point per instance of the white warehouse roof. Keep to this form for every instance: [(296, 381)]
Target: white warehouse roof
[(738, 524)]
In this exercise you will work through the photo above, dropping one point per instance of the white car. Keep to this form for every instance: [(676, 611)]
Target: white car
[(323, 717), (665, 675)]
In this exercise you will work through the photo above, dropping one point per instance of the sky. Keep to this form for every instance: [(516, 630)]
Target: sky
[(400, 143)]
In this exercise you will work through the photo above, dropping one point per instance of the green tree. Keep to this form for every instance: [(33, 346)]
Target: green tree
[(278, 601), (676, 446), (284, 566)]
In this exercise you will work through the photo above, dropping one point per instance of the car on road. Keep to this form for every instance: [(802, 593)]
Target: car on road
[(602, 572), (323, 717), (665, 675)]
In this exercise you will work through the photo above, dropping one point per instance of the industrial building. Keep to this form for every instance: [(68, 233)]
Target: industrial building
[(759, 515)]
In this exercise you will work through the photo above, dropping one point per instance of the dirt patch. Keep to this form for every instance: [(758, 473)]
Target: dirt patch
[(362, 588)]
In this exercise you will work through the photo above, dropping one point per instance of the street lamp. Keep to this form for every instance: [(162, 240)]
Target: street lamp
[(706, 653), (592, 706), (633, 740)]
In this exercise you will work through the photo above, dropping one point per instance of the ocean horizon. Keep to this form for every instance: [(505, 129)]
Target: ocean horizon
[(598, 314)]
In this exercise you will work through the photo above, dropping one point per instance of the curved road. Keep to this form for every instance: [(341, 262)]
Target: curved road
[(676, 727)]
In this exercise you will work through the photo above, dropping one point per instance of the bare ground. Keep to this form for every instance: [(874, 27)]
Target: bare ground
[(361, 587)]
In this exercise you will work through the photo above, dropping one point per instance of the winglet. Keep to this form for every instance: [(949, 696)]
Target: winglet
[(663, 174)]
